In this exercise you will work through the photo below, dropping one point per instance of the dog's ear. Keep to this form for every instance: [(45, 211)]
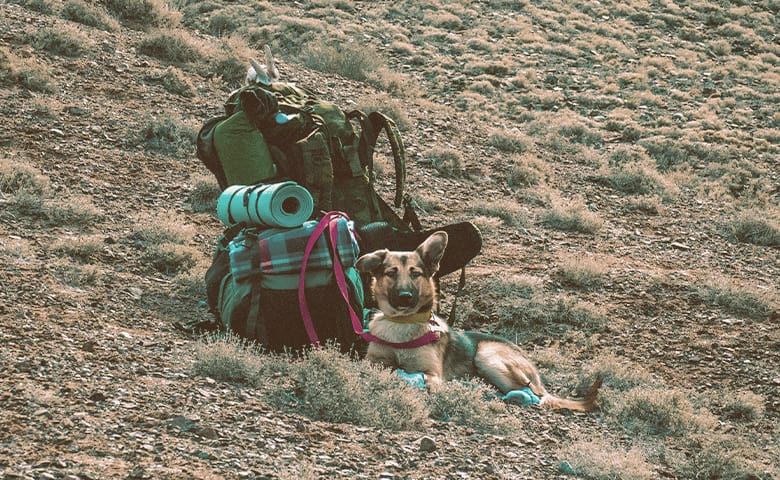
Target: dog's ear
[(273, 72), (432, 249), (371, 262)]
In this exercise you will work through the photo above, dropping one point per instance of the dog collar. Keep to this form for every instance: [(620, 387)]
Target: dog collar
[(423, 317)]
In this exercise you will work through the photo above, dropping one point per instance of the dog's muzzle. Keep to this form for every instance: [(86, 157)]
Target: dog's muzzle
[(403, 299)]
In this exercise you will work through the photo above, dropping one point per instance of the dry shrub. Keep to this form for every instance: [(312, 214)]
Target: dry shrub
[(658, 412), (474, 405), (173, 81), (327, 385), (599, 459), (169, 136), (509, 211), (755, 227), (510, 141), (17, 177), (143, 14), (582, 273), (84, 249), (204, 195), (350, 60), (719, 456), (229, 59), (571, 217), (171, 258), (25, 72), (742, 405), (447, 161), (526, 171), (161, 227), (172, 45), (88, 14), (229, 358), (75, 211), (736, 299), (64, 40)]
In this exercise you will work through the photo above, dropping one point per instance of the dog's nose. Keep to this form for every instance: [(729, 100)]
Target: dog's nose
[(405, 299)]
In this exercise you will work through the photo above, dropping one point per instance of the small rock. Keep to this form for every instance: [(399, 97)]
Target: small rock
[(89, 346), (427, 444), (207, 432), (97, 397)]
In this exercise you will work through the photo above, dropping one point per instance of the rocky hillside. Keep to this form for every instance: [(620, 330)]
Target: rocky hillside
[(622, 161)]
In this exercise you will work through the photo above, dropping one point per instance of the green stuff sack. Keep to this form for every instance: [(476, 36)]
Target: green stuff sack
[(243, 151)]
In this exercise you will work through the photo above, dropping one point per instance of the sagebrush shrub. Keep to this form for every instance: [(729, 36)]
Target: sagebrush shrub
[(143, 14), (169, 136), (571, 218), (62, 40), (756, 228), (598, 459), (349, 60), (174, 46), (88, 14)]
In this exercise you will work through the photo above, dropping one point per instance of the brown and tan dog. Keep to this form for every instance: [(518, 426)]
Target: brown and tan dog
[(406, 296)]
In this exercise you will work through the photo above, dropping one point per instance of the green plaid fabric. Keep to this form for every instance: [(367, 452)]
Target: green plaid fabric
[(280, 251)]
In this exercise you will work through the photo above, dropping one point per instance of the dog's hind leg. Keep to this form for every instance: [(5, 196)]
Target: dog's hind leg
[(506, 368)]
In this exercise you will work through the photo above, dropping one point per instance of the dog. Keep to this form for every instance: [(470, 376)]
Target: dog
[(405, 293)]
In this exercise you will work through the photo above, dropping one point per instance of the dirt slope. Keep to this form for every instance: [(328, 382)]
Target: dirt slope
[(96, 383)]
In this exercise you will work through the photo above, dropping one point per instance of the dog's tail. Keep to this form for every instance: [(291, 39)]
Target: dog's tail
[(587, 404)]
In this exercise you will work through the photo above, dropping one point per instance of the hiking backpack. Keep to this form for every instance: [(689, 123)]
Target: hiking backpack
[(280, 131)]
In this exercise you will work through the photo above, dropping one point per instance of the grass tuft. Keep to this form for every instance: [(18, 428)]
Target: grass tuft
[(88, 14), (659, 412), (64, 40), (598, 459), (756, 228), (571, 217), (582, 273), (173, 46), (169, 136)]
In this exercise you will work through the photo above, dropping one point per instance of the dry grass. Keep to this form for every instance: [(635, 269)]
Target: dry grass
[(658, 411), (64, 40), (598, 459), (175, 46), (88, 14), (144, 14), (756, 227), (169, 136), (752, 303), (581, 273), (572, 217)]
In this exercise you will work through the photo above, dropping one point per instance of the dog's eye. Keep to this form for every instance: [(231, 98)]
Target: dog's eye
[(415, 274), (391, 273)]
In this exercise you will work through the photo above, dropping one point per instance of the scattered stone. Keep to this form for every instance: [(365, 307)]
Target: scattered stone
[(427, 444)]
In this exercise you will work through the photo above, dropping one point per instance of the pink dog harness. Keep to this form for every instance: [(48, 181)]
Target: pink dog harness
[(328, 222)]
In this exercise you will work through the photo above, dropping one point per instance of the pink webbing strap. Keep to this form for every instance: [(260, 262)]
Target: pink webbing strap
[(330, 220)]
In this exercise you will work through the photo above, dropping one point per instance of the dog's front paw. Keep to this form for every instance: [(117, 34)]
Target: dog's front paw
[(523, 397), (413, 379)]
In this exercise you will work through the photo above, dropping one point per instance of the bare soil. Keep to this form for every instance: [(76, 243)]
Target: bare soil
[(97, 383)]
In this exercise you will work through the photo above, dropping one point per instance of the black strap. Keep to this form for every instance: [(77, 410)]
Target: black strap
[(254, 328), (371, 126), (461, 286)]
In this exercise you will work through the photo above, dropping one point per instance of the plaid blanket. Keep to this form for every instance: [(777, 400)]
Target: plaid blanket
[(280, 251)]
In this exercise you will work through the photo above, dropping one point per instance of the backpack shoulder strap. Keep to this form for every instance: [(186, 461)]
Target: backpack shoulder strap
[(371, 126)]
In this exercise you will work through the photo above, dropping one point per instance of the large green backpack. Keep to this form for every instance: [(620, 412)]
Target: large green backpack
[(282, 131)]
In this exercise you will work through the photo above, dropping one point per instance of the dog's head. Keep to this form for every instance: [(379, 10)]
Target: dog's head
[(403, 281), (259, 73)]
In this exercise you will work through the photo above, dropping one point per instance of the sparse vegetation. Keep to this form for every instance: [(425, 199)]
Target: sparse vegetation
[(63, 40), (173, 46), (757, 228), (598, 459), (581, 273), (571, 217), (733, 298), (169, 136), (143, 14), (88, 14)]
